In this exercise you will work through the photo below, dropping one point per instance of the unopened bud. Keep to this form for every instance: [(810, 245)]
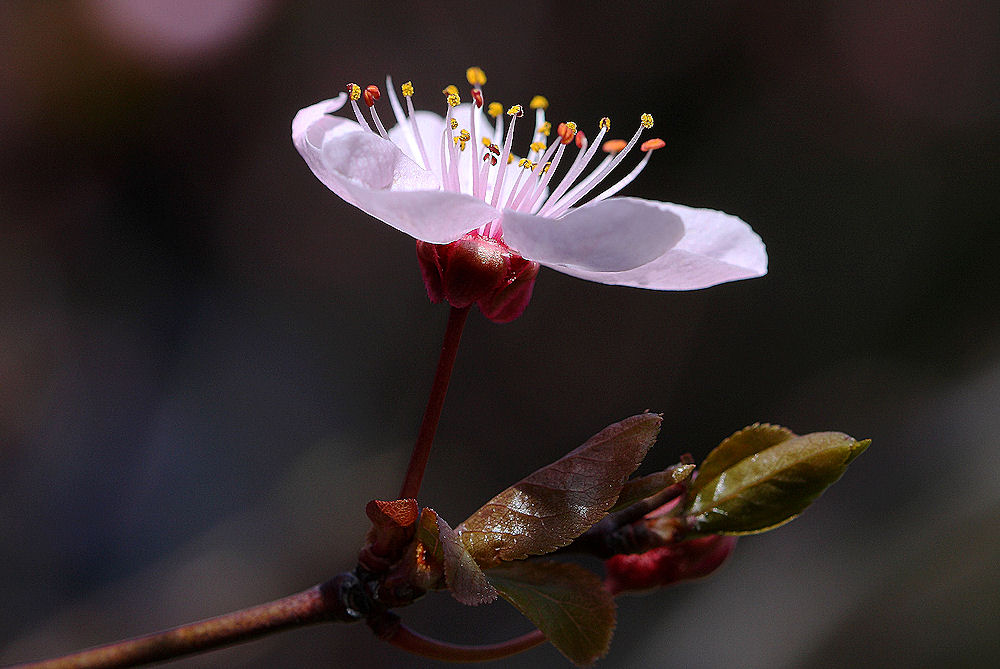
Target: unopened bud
[(659, 567)]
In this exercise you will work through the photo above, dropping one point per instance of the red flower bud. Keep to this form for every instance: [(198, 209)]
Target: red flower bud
[(666, 565), (478, 270)]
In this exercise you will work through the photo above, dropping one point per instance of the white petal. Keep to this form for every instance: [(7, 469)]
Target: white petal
[(716, 248), (374, 175), (430, 126), (610, 236)]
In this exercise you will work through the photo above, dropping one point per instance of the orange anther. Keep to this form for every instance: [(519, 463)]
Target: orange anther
[(652, 144), (372, 94), (581, 139), (566, 132), (614, 145), (477, 97)]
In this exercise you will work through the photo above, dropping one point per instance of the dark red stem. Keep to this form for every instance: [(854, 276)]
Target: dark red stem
[(422, 449), (405, 638), (317, 604)]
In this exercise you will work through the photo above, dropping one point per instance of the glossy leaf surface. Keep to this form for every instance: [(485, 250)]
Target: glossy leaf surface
[(770, 486), (736, 447), (565, 601), (557, 503)]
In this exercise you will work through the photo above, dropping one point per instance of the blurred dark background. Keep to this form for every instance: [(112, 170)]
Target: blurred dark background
[(209, 363)]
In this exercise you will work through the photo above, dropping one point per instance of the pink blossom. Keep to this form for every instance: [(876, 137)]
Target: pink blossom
[(440, 178)]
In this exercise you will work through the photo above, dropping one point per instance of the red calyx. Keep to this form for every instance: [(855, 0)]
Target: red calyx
[(478, 270)]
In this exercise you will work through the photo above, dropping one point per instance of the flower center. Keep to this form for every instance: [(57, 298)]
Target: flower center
[(475, 156)]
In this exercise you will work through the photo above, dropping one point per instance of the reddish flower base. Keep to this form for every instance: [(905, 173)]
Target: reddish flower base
[(478, 270)]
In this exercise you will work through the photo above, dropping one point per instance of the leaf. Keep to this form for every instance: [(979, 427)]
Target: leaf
[(565, 601), (640, 488), (557, 503), (772, 485), (736, 447), (465, 579)]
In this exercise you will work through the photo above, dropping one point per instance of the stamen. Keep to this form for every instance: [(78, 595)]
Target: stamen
[(354, 92), (614, 146), (647, 147), (555, 208), (454, 123), (514, 112), (397, 110), (566, 132), (580, 164), (546, 173), (407, 90), (475, 76), (371, 94), (526, 167), (495, 110), (477, 97)]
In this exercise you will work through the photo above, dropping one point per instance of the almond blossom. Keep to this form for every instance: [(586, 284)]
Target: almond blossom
[(442, 179)]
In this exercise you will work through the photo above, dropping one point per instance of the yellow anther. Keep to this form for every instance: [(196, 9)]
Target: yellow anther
[(524, 162), (354, 91), (454, 123), (516, 110), (510, 159), (407, 89), (475, 76), (451, 89), (454, 100), (572, 126), (539, 102), (605, 124), (495, 109), (537, 146), (546, 168), (486, 141), (545, 128), (646, 120), (464, 136)]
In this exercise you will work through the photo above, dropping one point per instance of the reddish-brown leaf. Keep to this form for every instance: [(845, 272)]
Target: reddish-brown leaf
[(557, 503), (463, 576)]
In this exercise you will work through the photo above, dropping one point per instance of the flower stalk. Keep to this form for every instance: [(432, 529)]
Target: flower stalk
[(435, 403)]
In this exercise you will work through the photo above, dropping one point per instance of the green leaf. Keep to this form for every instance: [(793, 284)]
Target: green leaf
[(640, 488), (772, 484), (557, 503), (565, 601), (736, 447)]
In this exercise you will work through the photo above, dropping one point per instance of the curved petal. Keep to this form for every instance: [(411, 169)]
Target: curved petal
[(611, 236), (305, 118), (716, 248), (374, 175)]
